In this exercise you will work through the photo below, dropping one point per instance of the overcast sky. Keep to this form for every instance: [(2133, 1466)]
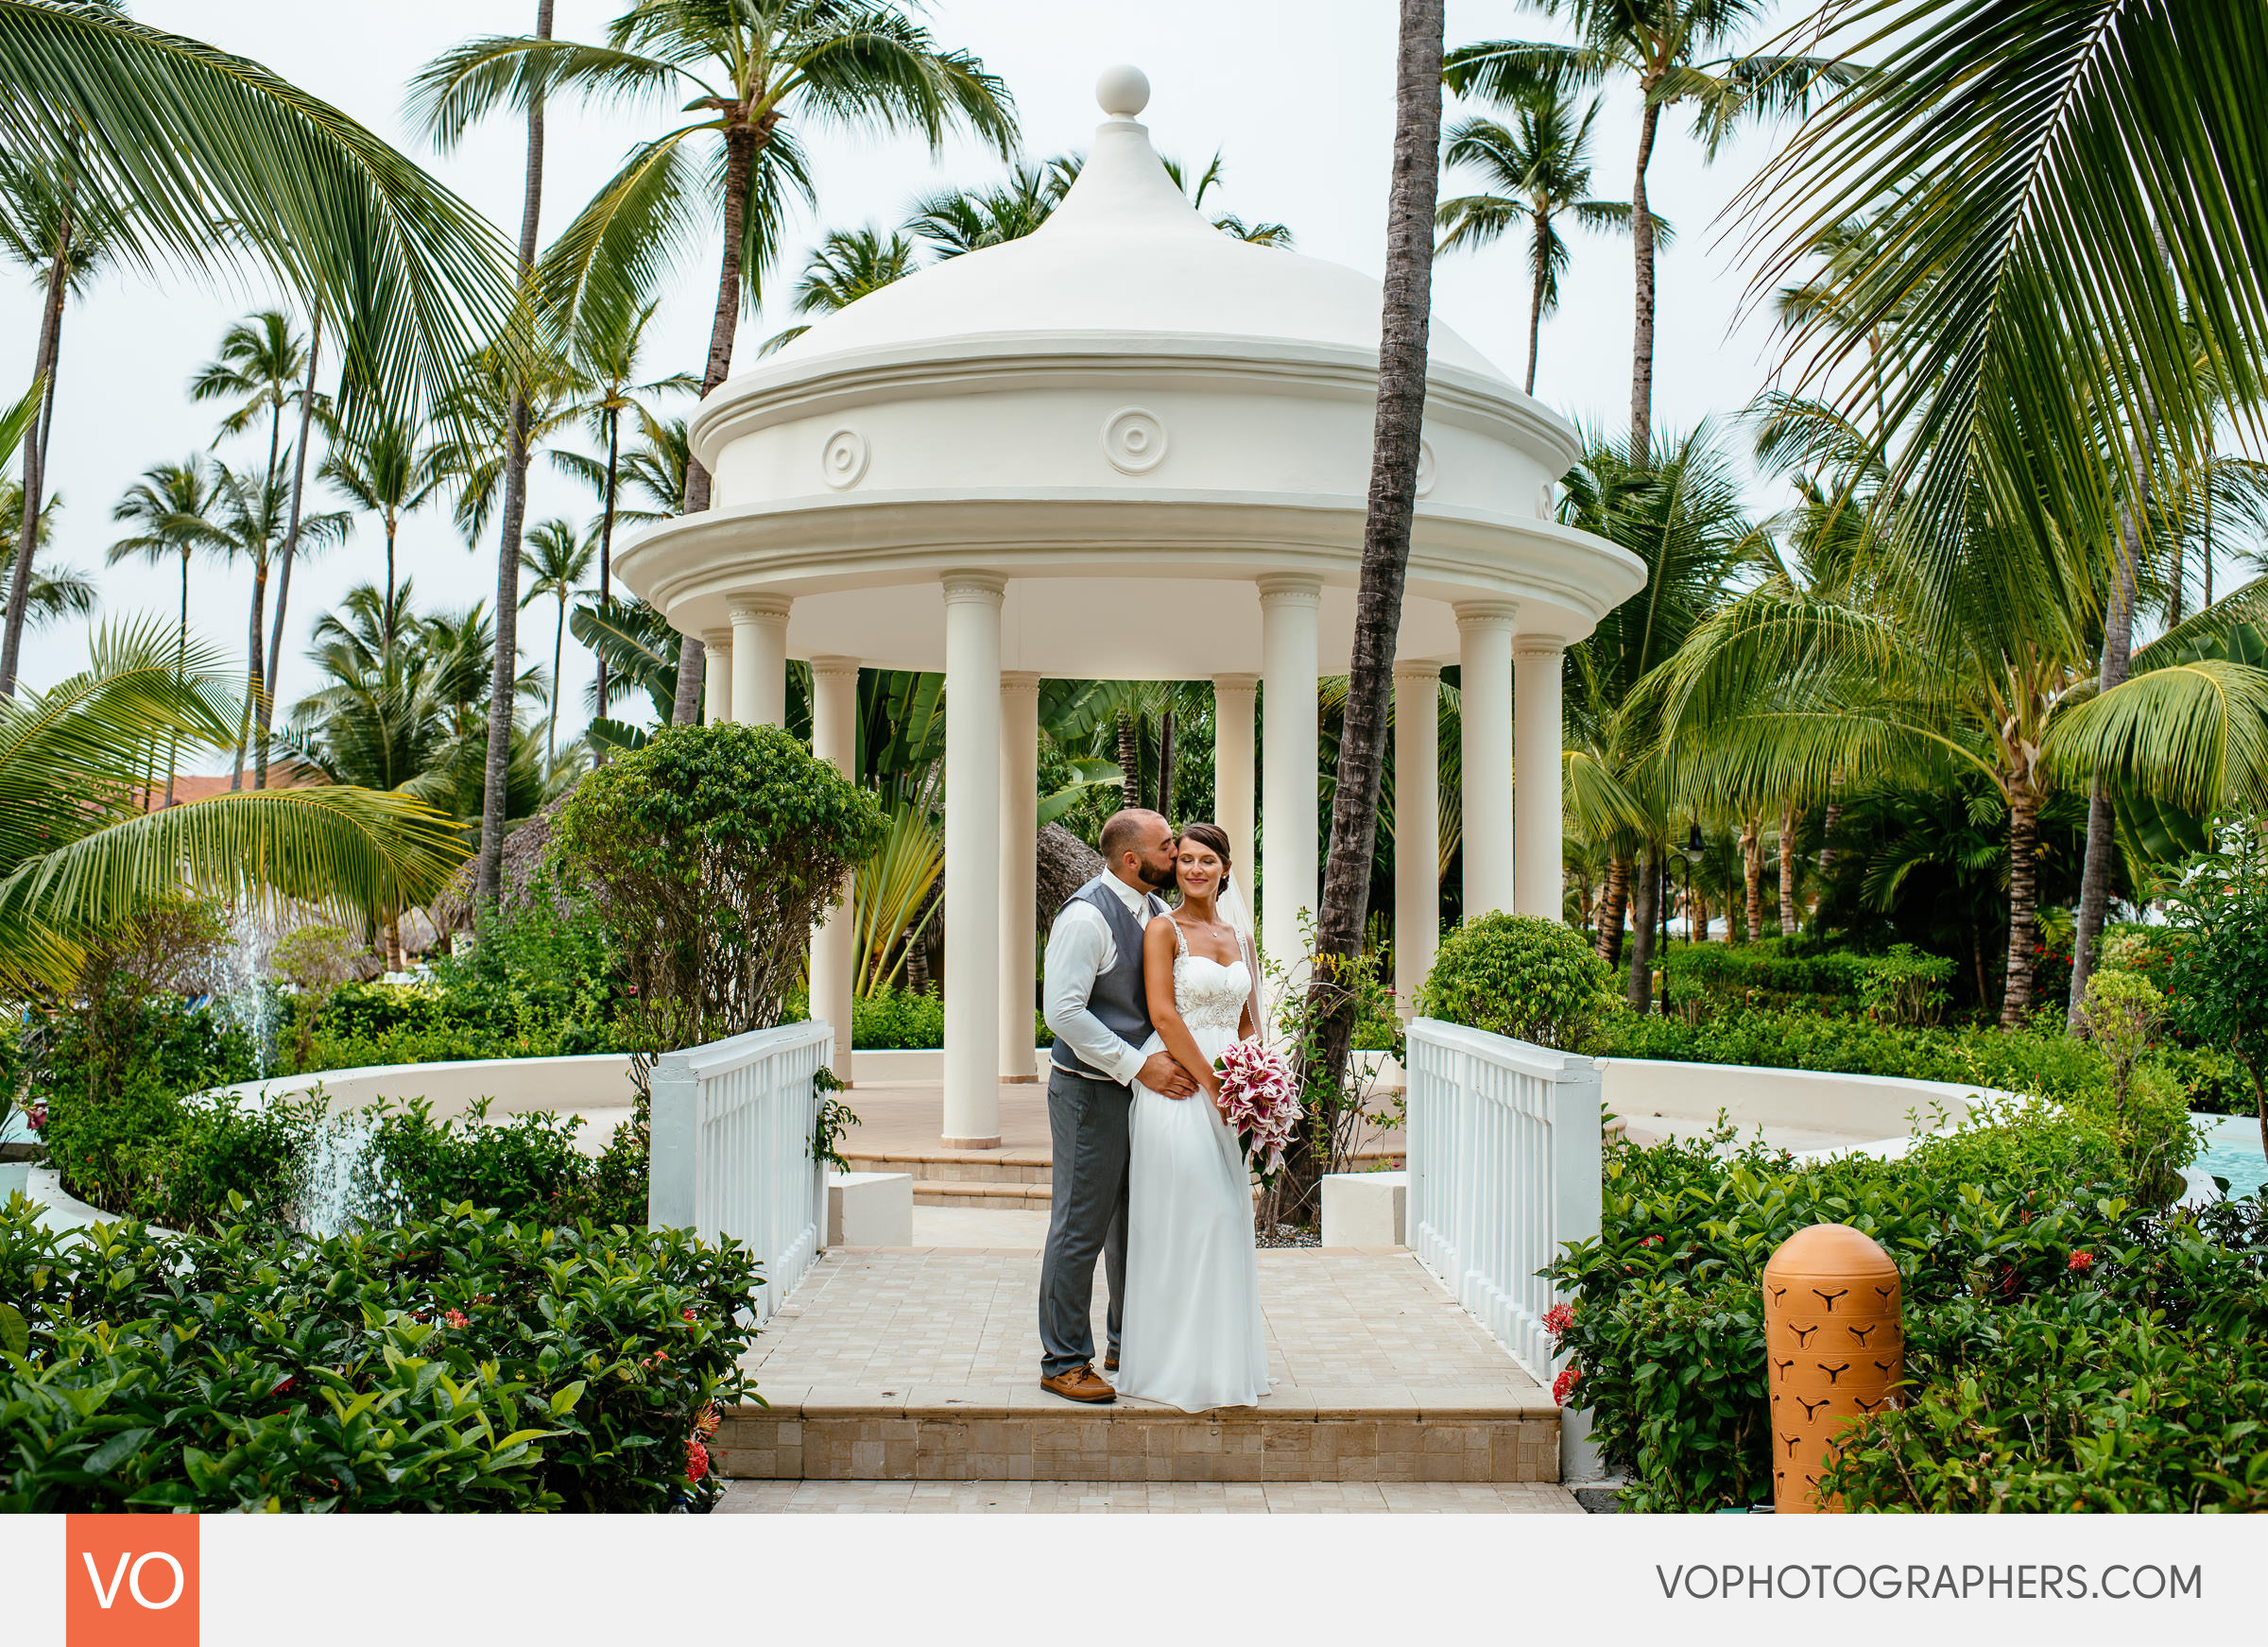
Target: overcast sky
[(1296, 94)]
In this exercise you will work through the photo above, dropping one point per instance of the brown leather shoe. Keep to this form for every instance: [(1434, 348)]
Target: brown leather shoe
[(1081, 1384), (1109, 1364)]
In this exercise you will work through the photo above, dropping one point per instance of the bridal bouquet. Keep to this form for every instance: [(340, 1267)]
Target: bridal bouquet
[(1262, 1101)]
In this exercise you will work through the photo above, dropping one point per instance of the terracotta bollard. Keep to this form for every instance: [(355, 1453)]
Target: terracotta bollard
[(1836, 1346)]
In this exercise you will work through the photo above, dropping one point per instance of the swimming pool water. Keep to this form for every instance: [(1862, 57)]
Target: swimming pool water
[(2232, 1151)]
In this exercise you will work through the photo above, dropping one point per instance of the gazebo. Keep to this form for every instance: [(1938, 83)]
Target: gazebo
[(1131, 447)]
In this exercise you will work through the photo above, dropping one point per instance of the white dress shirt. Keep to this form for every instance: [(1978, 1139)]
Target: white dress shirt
[(1079, 949)]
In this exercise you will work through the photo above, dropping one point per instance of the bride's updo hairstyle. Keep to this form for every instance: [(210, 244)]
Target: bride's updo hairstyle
[(1210, 835)]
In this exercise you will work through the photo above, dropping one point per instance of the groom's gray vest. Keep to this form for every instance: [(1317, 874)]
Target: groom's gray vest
[(1118, 998)]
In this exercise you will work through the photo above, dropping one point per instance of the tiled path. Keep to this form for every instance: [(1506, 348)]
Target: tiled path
[(847, 1498), (1339, 1319)]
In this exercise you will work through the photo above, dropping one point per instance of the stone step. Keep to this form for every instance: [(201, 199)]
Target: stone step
[(1035, 1168), (1499, 1433), (989, 1197)]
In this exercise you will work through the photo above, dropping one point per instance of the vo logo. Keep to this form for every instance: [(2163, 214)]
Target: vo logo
[(130, 1581)]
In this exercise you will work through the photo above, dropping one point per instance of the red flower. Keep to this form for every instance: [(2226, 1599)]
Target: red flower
[(35, 1116), (688, 1314), (1651, 1240), (456, 1319), (697, 1460), (1559, 1318), (2083, 1262), (1564, 1384)]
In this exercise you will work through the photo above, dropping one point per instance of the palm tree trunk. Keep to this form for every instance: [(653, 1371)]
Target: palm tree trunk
[(2101, 821), (255, 677), (1613, 902), (2023, 899), (740, 160), (291, 545), (1641, 252), (606, 551), (496, 769), (1828, 821), (559, 641), (387, 631), (180, 660), (1129, 761), (1536, 277), (1165, 761), (1403, 327), (1645, 907), (1752, 873), (1787, 870), (35, 458)]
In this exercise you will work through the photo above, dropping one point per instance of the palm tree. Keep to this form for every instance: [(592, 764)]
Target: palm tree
[(1401, 369), (172, 506), (253, 525), (52, 225), (958, 221), (1538, 173), (196, 158), (1275, 234), (842, 269), (80, 855), (1681, 514), (1677, 51), (51, 595), (258, 367), (607, 345), (557, 562), (379, 465), (749, 71)]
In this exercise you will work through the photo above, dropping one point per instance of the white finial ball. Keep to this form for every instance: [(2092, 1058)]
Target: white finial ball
[(1124, 92)]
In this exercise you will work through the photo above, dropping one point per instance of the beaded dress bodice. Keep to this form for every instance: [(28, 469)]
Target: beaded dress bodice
[(1209, 994)]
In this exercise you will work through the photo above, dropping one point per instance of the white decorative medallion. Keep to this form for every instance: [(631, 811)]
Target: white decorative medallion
[(1134, 440), (843, 459), (1546, 497), (1427, 469)]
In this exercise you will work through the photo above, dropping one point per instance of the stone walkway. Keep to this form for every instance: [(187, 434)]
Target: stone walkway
[(851, 1497), (1338, 1319), (890, 1367)]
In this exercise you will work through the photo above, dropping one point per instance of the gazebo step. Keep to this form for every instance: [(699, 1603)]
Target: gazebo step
[(992, 1197), (1503, 1432), (958, 1166)]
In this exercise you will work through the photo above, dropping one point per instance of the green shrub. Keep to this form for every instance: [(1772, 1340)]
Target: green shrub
[(898, 1017), (521, 1167), (1771, 972), (459, 1364), (2217, 980), (2152, 1130), (2069, 1401), (147, 1150), (709, 851), (1665, 1330), (1522, 976)]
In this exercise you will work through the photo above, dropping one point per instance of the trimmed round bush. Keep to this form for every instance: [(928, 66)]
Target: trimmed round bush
[(1522, 976)]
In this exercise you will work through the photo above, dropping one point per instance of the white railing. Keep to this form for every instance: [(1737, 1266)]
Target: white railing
[(733, 1125), (1503, 1161)]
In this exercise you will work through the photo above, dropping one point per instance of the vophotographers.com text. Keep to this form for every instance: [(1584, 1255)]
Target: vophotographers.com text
[(1916, 1581)]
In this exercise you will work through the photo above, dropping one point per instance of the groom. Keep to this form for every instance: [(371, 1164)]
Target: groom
[(1099, 1010)]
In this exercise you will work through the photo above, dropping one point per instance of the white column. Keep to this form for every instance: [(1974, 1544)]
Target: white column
[(1485, 689), (972, 890), (760, 659), (1537, 745), (1289, 732), (1416, 827), (834, 946), (716, 678), (1232, 772), (1019, 875)]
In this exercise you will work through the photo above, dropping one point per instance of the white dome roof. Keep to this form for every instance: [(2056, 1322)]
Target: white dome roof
[(1127, 256)]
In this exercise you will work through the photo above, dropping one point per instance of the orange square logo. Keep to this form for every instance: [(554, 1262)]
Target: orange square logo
[(130, 1581)]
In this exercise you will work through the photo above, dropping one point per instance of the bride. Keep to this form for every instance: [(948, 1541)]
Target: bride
[(1193, 1333)]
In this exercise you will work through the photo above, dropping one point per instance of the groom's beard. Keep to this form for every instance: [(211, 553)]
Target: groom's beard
[(1157, 878)]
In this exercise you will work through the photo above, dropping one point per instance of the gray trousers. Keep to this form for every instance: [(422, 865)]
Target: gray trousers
[(1087, 1120)]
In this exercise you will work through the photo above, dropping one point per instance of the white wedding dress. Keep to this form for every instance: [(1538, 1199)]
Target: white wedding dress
[(1193, 1336)]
